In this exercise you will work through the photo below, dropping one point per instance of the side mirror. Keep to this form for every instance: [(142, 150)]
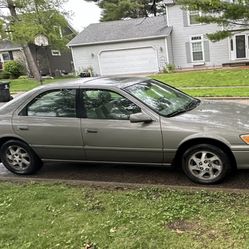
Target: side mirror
[(140, 118)]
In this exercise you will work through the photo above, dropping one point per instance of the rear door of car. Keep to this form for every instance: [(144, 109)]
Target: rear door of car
[(108, 133), (49, 123)]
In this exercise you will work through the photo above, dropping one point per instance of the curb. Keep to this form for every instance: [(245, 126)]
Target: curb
[(224, 98), (121, 186)]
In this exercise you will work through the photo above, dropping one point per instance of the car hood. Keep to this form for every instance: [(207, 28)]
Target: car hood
[(219, 114)]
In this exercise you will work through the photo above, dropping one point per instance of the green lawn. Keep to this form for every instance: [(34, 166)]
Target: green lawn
[(228, 83), (212, 78), (23, 85), (44, 216)]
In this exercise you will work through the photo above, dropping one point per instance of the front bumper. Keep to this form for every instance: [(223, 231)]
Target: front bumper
[(241, 154)]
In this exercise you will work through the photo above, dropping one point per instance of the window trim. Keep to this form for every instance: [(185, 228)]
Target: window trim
[(191, 49), (22, 112), (82, 111), (193, 24), (58, 27), (55, 52)]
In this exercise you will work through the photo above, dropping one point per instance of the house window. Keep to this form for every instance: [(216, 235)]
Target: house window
[(197, 48), (58, 30), (56, 52), (193, 15), (6, 56)]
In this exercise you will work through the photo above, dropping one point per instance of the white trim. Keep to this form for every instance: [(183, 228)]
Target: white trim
[(59, 29), (128, 48), (166, 50), (100, 68), (55, 52), (10, 49), (191, 49), (246, 46), (194, 24), (119, 41), (167, 14)]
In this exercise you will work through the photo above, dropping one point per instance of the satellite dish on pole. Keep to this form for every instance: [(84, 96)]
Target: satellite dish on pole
[(41, 40)]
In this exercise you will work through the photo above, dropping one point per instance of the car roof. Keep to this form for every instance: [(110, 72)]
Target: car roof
[(112, 81)]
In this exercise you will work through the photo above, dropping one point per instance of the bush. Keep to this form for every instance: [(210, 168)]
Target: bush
[(169, 68), (14, 68), (4, 75), (23, 77)]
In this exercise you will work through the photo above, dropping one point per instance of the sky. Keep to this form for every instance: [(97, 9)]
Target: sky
[(82, 13)]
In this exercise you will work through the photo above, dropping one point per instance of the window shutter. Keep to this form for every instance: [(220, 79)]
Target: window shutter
[(11, 55), (185, 18), (206, 51), (188, 52)]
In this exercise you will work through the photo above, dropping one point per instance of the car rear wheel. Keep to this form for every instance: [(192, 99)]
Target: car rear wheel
[(206, 164), (19, 158)]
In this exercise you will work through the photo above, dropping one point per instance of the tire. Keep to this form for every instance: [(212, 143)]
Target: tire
[(206, 164), (19, 158)]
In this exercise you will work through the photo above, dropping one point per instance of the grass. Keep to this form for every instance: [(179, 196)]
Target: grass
[(219, 82), (57, 216), (212, 78), (218, 92), (23, 85)]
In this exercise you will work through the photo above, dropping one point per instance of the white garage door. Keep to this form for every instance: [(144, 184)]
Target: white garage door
[(128, 61)]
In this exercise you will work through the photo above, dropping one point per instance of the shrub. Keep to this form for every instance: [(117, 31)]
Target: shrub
[(4, 75), (14, 68), (169, 68), (23, 77)]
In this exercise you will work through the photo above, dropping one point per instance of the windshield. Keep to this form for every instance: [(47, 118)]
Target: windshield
[(161, 98)]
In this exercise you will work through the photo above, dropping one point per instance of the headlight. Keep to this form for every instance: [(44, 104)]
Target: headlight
[(245, 138)]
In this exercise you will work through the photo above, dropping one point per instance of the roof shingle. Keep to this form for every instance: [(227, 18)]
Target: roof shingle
[(6, 45), (105, 32)]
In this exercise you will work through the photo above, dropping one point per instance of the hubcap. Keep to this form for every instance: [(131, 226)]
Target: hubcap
[(205, 165), (17, 157)]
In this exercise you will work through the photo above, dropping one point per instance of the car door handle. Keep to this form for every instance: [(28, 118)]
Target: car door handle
[(91, 130), (23, 128)]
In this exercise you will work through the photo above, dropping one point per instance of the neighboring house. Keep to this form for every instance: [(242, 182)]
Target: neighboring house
[(50, 61), (146, 45), (123, 47), (190, 46), (9, 51)]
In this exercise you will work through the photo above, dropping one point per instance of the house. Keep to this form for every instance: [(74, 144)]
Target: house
[(9, 51), (50, 61), (190, 46), (146, 45), (123, 47)]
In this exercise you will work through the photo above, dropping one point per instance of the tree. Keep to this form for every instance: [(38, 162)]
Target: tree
[(121, 9), (232, 17), (28, 18)]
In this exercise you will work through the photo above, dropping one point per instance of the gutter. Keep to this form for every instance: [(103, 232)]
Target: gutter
[(123, 40)]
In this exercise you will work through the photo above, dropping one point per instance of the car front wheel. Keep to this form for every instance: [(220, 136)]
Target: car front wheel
[(206, 164), (19, 158)]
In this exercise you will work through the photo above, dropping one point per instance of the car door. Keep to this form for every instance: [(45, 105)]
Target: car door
[(109, 135), (50, 125)]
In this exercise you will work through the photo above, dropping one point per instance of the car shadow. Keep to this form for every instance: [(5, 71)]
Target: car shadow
[(127, 174)]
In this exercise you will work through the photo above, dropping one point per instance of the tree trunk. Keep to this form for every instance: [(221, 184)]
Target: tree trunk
[(31, 63), (28, 55)]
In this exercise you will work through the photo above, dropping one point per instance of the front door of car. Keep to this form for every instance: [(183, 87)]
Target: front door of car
[(109, 135), (49, 124)]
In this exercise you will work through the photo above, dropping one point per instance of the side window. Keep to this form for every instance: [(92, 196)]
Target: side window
[(58, 103), (104, 104)]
